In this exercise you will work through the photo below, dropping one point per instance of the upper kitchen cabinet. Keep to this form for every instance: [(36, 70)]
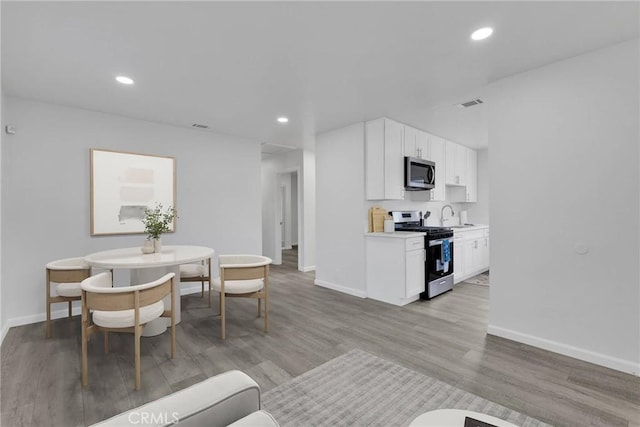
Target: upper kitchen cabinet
[(437, 155), (416, 143), (384, 155), (455, 158), (471, 175)]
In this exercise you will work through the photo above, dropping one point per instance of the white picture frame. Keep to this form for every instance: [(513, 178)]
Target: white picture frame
[(123, 184)]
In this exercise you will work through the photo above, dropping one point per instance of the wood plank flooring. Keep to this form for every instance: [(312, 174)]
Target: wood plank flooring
[(444, 338)]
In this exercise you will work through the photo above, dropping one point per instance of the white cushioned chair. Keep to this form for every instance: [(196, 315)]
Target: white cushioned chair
[(244, 276), (124, 309), (228, 399), (197, 273), (66, 274)]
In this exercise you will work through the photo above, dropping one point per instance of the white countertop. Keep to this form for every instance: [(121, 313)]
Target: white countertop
[(397, 234), (471, 228), (134, 258)]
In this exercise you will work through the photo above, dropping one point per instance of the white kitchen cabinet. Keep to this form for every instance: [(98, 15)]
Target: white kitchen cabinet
[(395, 264), (470, 252), (455, 158), (384, 160), (416, 143), (437, 155), (471, 175)]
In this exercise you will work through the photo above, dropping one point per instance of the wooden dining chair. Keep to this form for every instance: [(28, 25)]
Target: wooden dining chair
[(197, 273), (124, 309), (244, 276), (66, 274)]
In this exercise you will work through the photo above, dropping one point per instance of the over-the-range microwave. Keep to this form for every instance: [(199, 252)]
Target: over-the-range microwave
[(419, 174)]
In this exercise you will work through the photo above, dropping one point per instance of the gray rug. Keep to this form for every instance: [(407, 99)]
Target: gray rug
[(360, 389), (480, 279)]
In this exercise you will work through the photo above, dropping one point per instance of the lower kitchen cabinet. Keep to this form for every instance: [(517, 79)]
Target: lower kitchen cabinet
[(395, 265), (471, 252)]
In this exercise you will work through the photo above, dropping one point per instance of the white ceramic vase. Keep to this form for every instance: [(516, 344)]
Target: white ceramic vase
[(147, 247), (157, 245)]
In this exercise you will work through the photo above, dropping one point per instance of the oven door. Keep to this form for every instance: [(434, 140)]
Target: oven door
[(436, 267)]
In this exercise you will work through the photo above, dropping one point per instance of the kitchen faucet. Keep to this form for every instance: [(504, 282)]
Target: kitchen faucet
[(442, 213)]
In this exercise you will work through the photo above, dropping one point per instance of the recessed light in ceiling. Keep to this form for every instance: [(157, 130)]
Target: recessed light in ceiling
[(124, 80), (482, 33), (283, 120)]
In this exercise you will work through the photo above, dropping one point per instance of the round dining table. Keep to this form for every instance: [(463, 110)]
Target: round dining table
[(149, 267)]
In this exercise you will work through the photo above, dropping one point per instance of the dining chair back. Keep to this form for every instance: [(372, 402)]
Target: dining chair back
[(124, 309), (243, 276), (66, 274)]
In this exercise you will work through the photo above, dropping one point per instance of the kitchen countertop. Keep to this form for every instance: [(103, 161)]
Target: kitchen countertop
[(471, 228), (397, 234)]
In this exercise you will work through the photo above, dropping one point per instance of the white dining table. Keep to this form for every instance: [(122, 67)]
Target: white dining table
[(149, 267)]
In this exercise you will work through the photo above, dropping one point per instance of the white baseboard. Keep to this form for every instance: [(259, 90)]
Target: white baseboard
[(308, 268), (622, 365), (339, 288), (191, 288)]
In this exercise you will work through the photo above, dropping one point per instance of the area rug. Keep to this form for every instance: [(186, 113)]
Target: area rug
[(360, 389), (480, 279)]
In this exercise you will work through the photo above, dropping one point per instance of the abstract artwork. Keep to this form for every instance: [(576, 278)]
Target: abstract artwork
[(123, 185)]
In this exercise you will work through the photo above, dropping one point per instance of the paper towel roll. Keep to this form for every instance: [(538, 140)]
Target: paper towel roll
[(389, 226), (463, 217)]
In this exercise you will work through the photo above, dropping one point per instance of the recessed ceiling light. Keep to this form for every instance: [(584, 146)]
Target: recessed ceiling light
[(283, 120), (124, 80), (482, 33)]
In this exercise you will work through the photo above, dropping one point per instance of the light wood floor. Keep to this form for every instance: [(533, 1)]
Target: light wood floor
[(444, 338)]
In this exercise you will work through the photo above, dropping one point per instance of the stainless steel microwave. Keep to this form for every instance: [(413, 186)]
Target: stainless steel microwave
[(419, 174)]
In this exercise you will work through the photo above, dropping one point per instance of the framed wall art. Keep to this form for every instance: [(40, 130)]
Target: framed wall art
[(123, 185)]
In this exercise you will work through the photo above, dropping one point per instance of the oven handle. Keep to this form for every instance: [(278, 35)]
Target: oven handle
[(437, 242)]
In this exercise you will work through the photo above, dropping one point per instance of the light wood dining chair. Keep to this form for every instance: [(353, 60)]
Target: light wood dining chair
[(197, 273), (244, 276), (66, 274), (124, 309)]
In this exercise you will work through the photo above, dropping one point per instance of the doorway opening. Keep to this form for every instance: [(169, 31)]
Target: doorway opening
[(288, 224)]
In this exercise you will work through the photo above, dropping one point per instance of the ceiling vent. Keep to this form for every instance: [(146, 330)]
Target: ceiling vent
[(199, 126), (471, 103)]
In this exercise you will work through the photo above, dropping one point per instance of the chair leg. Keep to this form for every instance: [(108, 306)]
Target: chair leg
[(138, 330), (173, 336), (106, 342), (202, 283), (222, 319), (266, 312), (209, 292), (83, 361), (70, 305), (259, 307), (48, 324)]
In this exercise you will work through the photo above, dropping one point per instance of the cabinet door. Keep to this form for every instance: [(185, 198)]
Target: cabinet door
[(415, 264), (450, 162), (422, 144), (471, 175), (436, 155), (460, 164), (393, 160), (485, 252), (459, 261), (476, 248), (410, 135)]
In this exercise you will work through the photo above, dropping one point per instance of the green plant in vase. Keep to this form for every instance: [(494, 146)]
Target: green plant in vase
[(156, 222)]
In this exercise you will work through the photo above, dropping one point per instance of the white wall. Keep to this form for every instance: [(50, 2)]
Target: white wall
[(564, 178), (308, 218), (478, 213), (46, 194), (294, 208), (340, 205), (3, 135)]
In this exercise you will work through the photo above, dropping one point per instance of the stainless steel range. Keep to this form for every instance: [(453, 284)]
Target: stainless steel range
[(439, 262)]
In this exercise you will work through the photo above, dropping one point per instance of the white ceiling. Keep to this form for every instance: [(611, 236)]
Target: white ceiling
[(236, 66)]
